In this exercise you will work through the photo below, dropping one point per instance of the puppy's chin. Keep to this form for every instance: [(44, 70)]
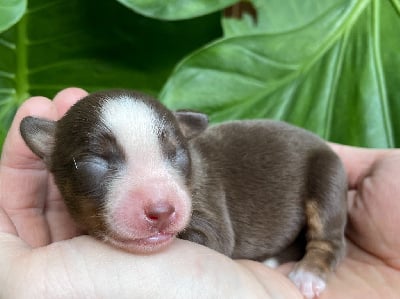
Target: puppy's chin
[(149, 244)]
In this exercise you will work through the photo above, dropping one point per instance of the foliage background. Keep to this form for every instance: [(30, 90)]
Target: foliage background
[(330, 66)]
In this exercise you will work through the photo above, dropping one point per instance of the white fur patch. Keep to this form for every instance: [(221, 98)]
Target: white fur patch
[(135, 126), (147, 174), (309, 284), (272, 263)]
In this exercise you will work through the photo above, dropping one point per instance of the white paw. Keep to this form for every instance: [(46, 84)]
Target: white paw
[(309, 284), (272, 263)]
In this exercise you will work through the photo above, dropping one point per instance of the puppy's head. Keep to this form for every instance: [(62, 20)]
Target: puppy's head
[(121, 162)]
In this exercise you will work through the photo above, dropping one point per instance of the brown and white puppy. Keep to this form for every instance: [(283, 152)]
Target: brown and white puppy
[(135, 175)]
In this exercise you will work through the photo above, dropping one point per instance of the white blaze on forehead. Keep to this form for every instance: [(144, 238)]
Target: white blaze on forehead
[(135, 126), (147, 176)]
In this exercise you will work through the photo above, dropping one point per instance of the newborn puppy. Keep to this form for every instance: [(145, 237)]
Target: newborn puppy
[(135, 174)]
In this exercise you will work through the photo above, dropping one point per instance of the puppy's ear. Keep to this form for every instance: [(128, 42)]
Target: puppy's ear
[(39, 135), (191, 123)]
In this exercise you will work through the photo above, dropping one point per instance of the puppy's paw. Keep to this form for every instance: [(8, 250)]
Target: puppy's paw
[(272, 263), (309, 284)]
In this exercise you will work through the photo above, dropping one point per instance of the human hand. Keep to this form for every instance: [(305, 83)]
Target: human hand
[(27, 192), (40, 260), (371, 268)]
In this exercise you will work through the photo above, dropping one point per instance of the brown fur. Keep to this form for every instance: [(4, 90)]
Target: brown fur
[(260, 176), (256, 186)]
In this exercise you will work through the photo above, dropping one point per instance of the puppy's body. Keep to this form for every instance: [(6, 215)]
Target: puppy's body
[(260, 176), (136, 174)]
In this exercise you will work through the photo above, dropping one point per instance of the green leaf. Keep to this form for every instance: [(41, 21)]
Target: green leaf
[(334, 72), (62, 43), (273, 17), (176, 9), (11, 12)]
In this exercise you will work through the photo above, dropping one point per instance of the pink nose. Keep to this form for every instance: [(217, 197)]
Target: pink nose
[(160, 215)]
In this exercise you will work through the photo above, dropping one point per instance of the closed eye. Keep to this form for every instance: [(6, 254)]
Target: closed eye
[(181, 158), (91, 175), (92, 165)]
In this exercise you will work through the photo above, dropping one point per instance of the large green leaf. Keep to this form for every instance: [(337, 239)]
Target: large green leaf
[(265, 16), (93, 45), (334, 70), (10, 12), (176, 9)]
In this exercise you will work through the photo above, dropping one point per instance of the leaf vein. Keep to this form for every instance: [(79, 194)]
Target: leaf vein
[(396, 4), (6, 91), (7, 44), (268, 60), (335, 81), (244, 77), (45, 6), (7, 75), (379, 74), (54, 38)]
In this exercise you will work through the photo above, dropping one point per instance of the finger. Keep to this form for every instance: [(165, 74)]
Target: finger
[(60, 222), (373, 215), (15, 152), (68, 97), (23, 177), (357, 161)]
